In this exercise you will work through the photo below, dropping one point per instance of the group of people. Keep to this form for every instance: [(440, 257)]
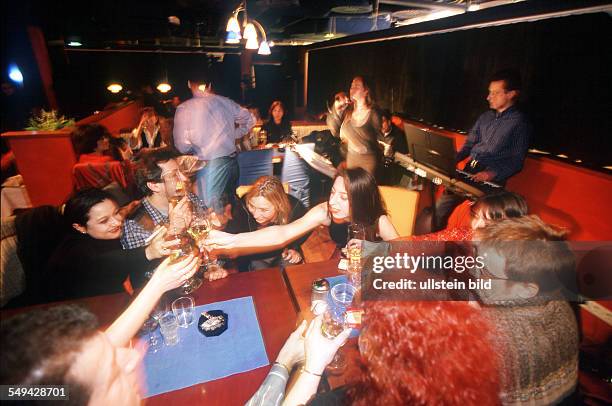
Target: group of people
[(466, 352)]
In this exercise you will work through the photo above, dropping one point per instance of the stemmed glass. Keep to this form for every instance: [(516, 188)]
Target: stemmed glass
[(176, 186), (199, 229), (178, 231), (334, 320)]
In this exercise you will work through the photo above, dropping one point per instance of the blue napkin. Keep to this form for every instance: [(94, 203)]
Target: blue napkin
[(196, 358)]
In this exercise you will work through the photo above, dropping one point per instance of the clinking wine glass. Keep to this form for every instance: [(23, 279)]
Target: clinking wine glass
[(334, 320), (184, 247), (176, 185)]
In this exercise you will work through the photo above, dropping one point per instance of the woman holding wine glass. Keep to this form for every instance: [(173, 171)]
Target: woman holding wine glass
[(90, 260)]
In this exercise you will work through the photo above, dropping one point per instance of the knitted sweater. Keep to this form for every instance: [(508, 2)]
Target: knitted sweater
[(538, 349)]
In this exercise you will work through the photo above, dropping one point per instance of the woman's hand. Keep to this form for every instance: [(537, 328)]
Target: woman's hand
[(320, 350), (216, 273), (168, 275), (293, 349), (180, 215), (220, 240), (292, 256), (159, 247)]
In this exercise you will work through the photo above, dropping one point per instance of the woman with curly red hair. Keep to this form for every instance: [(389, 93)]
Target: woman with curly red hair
[(412, 353)]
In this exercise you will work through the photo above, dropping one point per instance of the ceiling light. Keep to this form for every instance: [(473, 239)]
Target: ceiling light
[(250, 32), (174, 20), (74, 44), (232, 25), (164, 87), (251, 43), (114, 88), (15, 74), (233, 37), (264, 49)]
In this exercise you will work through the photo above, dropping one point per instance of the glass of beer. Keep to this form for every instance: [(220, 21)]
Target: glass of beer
[(262, 138), (334, 320)]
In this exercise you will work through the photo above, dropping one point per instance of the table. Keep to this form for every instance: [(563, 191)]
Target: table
[(300, 279), (275, 312)]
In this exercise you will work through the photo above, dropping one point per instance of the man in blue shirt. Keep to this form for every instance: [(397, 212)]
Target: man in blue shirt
[(496, 145)]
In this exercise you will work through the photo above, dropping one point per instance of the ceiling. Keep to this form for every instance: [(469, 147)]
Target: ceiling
[(200, 24)]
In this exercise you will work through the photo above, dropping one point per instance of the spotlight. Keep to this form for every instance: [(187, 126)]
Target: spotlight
[(114, 88), (15, 74), (164, 87)]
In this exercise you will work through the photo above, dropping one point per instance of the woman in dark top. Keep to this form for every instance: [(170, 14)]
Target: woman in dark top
[(278, 125), (264, 205), (90, 260)]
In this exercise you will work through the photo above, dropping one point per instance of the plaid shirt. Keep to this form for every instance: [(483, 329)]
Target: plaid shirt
[(134, 235)]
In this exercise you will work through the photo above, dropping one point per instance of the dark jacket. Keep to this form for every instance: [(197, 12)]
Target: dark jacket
[(83, 266), (243, 222)]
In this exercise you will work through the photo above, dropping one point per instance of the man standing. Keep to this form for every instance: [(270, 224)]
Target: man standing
[(496, 145), (393, 140), (208, 126)]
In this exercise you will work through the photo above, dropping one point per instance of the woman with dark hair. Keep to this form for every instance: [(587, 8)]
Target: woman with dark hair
[(278, 125), (484, 211), (92, 143), (358, 125), (90, 260), (354, 198), (266, 204)]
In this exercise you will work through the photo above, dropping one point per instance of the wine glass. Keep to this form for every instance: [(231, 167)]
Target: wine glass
[(356, 234), (176, 185), (185, 246), (334, 320)]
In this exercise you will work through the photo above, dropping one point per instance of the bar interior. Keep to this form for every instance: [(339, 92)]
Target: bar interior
[(289, 202)]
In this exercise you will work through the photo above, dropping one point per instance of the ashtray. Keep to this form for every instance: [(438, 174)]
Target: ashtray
[(213, 323)]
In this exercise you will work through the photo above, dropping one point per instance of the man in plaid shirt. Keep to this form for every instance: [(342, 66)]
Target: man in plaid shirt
[(154, 206)]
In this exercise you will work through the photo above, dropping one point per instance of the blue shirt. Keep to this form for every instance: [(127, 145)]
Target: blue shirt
[(208, 125), (499, 142)]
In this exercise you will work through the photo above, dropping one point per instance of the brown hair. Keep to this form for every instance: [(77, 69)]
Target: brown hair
[(533, 250), (271, 189), (500, 205), (365, 203), (276, 103), (39, 348), (369, 100)]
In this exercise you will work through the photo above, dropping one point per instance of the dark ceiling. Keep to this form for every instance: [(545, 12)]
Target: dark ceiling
[(144, 24)]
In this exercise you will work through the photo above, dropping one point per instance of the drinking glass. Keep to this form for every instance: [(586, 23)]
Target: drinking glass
[(176, 185), (149, 328), (262, 138), (334, 320), (182, 308), (356, 234), (168, 326)]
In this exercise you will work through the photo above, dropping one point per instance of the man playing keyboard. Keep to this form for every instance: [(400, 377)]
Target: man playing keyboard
[(496, 145)]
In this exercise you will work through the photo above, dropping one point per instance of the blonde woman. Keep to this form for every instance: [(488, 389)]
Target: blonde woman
[(266, 204)]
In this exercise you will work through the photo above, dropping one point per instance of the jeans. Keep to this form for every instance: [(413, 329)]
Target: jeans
[(217, 181), (296, 173)]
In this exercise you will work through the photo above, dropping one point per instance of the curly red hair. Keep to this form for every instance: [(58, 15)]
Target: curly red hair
[(426, 353)]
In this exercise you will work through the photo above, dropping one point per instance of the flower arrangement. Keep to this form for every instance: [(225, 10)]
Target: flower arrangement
[(48, 121)]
